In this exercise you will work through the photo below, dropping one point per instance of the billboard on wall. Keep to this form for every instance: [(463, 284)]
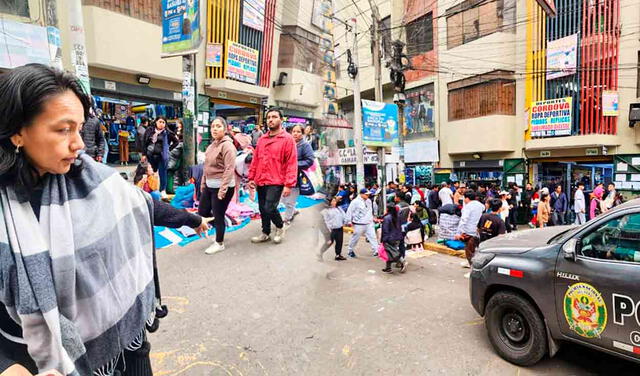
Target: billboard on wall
[(562, 57), (419, 113), (242, 62), (22, 43), (552, 117), (253, 14), (180, 26), (321, 16), (379, 123)]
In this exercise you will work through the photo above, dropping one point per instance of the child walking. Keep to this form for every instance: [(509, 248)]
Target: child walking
[(334, 219), (392, 237)]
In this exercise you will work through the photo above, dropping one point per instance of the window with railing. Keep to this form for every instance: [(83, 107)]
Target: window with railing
[(494, 97), (15, 7), (420, 35), (474, 19), (145, 10)]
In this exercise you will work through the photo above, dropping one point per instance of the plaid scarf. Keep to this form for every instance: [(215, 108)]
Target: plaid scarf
[(80, 280)]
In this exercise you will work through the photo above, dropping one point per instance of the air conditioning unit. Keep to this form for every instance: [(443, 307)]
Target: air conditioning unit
[(634, 114)]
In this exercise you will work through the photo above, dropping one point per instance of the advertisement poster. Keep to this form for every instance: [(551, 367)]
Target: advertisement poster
[(180, 26), (242, 62), (562, 57), (214, 55), (22, 43), (379, 123), (253, 14), (610, 103), (552, 117), (419, 113), (321, 17)]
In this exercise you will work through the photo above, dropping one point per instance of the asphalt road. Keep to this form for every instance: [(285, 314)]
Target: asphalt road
[(276, 310)]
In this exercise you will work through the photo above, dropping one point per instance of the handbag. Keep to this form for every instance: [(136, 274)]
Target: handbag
[(310, 179), (382, 253), (392, 250)]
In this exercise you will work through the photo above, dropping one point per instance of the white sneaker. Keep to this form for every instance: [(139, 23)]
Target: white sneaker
[(260, 238), (279, 235), (465, 264), (214, 248)]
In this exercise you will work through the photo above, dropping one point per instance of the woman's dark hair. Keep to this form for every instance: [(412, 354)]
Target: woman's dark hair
[(544, 196), (393, 212), (23, 94), (297, 125), (163, 118), (140, 171), (415, 218)]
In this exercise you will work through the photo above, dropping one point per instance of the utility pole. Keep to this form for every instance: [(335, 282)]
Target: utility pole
[(78, 49), (352, 70), (189, 98), (375, 42)]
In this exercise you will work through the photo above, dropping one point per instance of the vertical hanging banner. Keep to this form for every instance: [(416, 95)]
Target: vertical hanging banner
[(380, 124), (78, 50), (610, 105), (180, 27)]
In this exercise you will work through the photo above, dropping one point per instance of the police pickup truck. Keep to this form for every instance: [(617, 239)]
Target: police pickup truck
[(538, 288)]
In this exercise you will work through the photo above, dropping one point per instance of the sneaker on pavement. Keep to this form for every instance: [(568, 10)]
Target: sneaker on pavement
[(352, 255), (465, 264), (260, 238), (387, 270), (374, 254), (340, 258), (403, 269), (214, 248), (279, 235)]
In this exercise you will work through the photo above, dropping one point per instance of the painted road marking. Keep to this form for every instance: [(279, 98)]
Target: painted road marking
[(511, 272), (626, 347)]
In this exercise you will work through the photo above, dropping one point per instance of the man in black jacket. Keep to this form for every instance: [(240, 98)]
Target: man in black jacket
[(93, 137)]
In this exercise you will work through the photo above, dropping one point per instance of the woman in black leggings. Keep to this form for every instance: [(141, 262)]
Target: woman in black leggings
[(218, 182)]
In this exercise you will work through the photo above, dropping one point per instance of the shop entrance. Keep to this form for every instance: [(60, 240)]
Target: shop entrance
[(569, 173)]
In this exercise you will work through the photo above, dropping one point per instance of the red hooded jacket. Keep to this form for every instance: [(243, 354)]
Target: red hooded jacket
[(275, 161)]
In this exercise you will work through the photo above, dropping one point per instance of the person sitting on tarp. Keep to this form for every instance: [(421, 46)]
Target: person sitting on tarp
[(448, 221)]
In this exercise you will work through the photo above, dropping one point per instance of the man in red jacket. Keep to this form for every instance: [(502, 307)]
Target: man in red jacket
[(273, 171)]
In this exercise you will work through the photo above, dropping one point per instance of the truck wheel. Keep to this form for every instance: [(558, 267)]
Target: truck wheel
[(515, 329)]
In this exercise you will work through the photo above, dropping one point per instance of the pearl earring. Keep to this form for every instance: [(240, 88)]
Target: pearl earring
[(17, 149)]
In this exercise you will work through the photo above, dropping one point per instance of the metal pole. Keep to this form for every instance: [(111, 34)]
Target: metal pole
[(357, 114), (188, 108), (78, 49)]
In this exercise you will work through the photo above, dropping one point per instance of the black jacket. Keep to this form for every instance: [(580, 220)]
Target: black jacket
[(93, 137), (156, 150), (434, 200), (141, 132)]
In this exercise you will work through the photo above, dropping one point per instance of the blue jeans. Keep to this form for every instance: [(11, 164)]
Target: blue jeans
[(160, 165)]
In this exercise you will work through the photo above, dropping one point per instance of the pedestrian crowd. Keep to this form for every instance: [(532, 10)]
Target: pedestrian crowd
[(457, 214)]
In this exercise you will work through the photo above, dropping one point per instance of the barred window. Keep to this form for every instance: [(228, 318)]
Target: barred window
[(420, 35), (15, 7), (496, 97)]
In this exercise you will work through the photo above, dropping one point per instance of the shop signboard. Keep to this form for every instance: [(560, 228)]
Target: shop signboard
[(214, 55), (334, 123), (253, 14), (420, 152), (347, 156), (562, 57), (419, 113), (22, 43), (610, 103), (242, 62), (180, 27), (379, 124), (551, 118)]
